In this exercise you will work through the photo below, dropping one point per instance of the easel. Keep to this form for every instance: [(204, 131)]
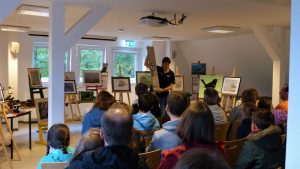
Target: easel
[(4, 109), (71, 99), (34, 90), (42, 124), (121, 93), (229, 98), (6, 156)]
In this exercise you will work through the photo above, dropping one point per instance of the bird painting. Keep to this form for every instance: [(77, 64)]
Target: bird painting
[(212, 84)]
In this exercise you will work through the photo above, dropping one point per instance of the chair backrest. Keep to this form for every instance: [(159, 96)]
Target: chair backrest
[(232, 150), (283, 138), (232, 133), (58, 165), (152, 158), (221, 131), (147, 134)]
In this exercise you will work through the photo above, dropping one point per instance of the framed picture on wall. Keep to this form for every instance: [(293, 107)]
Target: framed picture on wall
[(1, 94), (179, 83), (41, 106), (92, 77), (70, 87), (144, 77), (86, 96), (70, 76), (34, 76), (198, 69), (120, 84), (231, 85), (214, 81), (195, 84)]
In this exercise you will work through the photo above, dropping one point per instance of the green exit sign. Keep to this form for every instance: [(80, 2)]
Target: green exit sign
[(129, 43)]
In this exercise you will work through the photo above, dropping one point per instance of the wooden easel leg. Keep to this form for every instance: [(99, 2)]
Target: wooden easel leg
[(71, 108), (41, 135), (128, 98), (79, 112), (12, 139), (4, 148)]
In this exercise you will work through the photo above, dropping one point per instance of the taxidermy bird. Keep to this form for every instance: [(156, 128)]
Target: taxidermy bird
[(212, 84)]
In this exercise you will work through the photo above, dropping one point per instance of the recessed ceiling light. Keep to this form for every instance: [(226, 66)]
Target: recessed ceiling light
[(15, 28), (120, 30), (157, 38), (33, 10), (221, 29)]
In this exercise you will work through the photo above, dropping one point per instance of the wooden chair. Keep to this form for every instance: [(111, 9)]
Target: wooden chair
[(232, 150), (58, 165), (283, 138), (221, 131), (232, 132), (147, 134), (152, 158), (2, 144)]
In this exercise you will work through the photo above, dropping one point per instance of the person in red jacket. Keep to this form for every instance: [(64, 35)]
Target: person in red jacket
[(196, 129)]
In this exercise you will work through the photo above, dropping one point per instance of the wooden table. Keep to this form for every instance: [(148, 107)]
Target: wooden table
[(11, 117)]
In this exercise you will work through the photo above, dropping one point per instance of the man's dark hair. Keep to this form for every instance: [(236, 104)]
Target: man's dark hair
[(58, 137), (250, 95), (149, 102), (177, 103), (285, 89), (117, 125), (140, 88), (264, 103), (211, 96), (249, 108), (201, 158), (263, 118), (166, 60), (197, 125)]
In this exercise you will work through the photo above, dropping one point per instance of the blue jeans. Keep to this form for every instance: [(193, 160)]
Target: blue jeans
[(163, 104)]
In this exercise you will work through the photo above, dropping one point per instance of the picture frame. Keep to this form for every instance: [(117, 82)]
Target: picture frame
[(144, 77), (121, 84), (198, 68), (214, 81), (70, 76), (231, 85), (179, 83), (195, 84), (41, 106), (34, 76), (91, 78), (70, 87), (86, 96), (1, 94)]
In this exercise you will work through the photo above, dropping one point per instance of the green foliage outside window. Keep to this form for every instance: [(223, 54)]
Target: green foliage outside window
[(127, 63), (41, 60), (90, 59)]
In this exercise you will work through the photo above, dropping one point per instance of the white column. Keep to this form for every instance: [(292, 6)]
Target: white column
[(293, 146), (56, 63)]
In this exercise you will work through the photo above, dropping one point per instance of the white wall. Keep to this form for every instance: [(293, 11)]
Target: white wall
[(3, 59), (244, 51)]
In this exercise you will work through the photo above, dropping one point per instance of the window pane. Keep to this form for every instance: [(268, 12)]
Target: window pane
[(90, 59), (66, 62), (41, 60), (127, 63)]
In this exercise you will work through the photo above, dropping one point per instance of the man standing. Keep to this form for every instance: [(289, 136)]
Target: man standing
[(166, 81), (116, 131), (284, 95)]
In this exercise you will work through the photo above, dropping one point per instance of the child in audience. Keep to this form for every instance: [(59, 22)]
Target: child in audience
[(245, 127), (211, 97), (90, 140), (92, 119), (139, 89), (145, 120), (58, 141)]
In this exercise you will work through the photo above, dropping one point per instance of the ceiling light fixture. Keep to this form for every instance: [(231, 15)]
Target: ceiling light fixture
[(33, 10), (12, 28), (152, 20), (157, 38), (221, 29)]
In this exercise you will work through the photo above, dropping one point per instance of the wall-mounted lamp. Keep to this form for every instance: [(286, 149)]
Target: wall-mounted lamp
[(15, 47)]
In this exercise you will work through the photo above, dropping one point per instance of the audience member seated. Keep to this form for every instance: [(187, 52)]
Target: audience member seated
[(167, 138), (58, 140), (116, 131), (263, 148), (265, 103), (196, 129), (92, 119), (249, 95), (211, 97), (139, 89), (144, 119), (245, 127), (89, 141), (201, 159), (284, 95)]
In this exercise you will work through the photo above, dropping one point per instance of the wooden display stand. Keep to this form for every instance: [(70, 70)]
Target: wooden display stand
[(71, 99), (96, 88), (153, 68), (230, 99), (3, 114), (41, 128), (121, 96), (2, 147)]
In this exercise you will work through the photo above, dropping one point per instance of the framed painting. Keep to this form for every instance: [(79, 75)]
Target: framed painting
[(195, 84), (179, 83), (231, 85), (144, 77), (70, 87), (70, 76), (120, 84), (1, 94), (214, 81), (86, 96), (198, 69), (92, 77), (34, 76), (41, 106)]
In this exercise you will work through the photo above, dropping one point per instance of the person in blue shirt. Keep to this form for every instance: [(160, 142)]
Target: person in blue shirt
[(144, 119), (58, 149), (92, 119)]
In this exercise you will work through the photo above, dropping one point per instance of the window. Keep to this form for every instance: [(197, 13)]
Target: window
[(125, 61), (91, 58)]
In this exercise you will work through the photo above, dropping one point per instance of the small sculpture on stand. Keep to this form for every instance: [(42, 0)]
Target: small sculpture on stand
[(11, 102)]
